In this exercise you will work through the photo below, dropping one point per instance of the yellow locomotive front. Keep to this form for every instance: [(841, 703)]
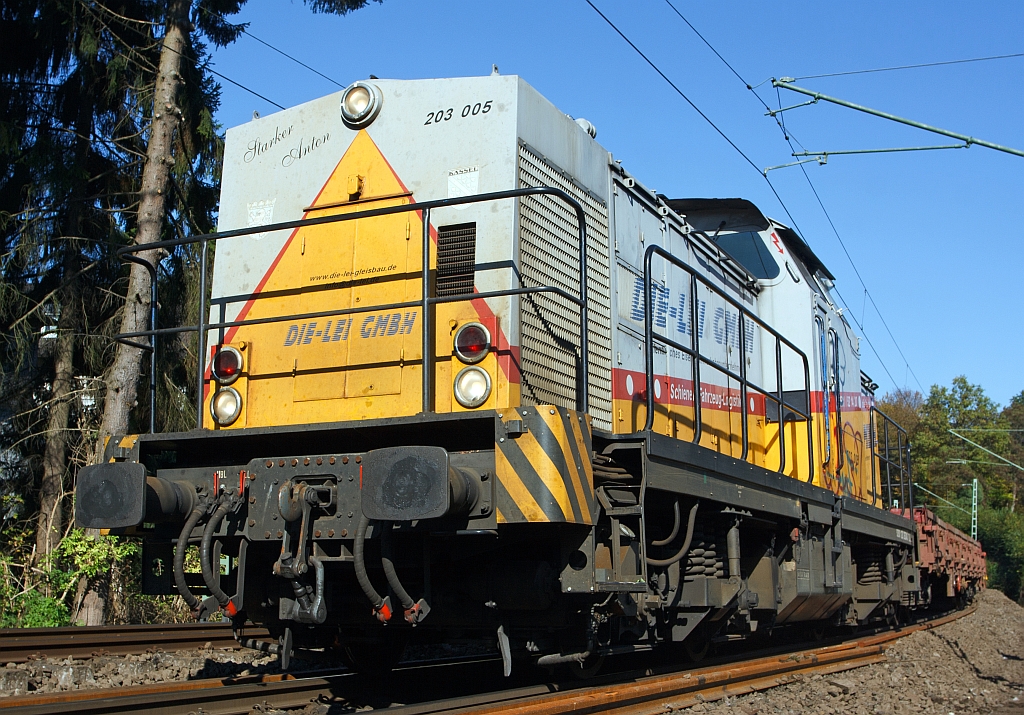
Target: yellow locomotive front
[(454, 383)]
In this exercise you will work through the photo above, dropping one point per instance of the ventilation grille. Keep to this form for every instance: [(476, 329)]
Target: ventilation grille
[(456, 258), (549, 325)]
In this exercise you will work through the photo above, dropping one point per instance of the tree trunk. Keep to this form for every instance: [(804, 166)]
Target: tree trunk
[(122, 378), (49, 529), (92, 601)]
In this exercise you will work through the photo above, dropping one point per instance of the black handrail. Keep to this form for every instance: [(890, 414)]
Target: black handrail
[(696, 358), (127, 253), (837, 392), (900, 462)]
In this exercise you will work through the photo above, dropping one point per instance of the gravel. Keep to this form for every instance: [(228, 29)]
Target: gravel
[(972, 665), (51, 675)]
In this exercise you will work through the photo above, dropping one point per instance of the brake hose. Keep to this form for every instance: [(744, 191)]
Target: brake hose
[(191, 599), (389, 567), (206, 560), (381, 606)]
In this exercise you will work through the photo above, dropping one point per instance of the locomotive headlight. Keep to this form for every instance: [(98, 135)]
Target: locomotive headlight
[(360, 104), (472, 386), (225, 406), (227, 365), (472, 341)]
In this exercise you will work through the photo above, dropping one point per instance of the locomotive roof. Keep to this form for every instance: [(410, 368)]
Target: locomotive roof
[(710, 215)]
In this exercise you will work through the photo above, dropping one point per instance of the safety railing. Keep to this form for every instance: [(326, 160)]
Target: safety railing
[(425, 302), (697, 359), (890, 453)]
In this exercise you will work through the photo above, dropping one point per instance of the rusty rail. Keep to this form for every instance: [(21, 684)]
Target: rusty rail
[(651, 695), (20, 644)]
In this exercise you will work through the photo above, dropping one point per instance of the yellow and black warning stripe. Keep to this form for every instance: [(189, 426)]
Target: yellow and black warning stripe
[(544, 471), (118, 447)]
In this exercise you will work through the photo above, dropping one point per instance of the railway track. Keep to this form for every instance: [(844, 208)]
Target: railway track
[(620, 694), (20, 644)]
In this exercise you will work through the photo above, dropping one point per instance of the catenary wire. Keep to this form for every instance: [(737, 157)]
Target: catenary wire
[(867, 292), (697, 109), (908, 67), (207, 67), (868, 339), (242, 86), (673, 86), (275, 49), (788, 136)]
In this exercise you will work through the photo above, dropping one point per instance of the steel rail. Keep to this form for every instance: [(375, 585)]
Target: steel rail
[(18, 645), (630, 696)]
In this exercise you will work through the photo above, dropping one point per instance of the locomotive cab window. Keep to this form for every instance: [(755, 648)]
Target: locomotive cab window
[(748, 248)]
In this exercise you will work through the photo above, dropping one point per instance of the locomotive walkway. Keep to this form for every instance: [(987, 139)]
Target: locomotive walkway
[(620, 694)]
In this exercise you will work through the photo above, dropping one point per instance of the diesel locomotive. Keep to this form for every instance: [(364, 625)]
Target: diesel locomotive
[(466, 377)]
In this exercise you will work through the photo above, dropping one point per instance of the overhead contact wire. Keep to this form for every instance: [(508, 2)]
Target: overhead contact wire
[(673, 86), (279, 51), (910, 67), (206, 66), (697, 109), (787, 135)]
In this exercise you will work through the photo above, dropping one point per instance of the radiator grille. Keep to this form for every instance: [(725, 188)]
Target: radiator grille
[(456, 258), (549, 325)]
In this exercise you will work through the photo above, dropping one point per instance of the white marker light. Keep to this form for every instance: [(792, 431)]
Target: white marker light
[(226, 406), (472, 387)]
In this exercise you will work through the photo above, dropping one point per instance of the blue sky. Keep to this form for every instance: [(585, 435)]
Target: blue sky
[(936, 236)]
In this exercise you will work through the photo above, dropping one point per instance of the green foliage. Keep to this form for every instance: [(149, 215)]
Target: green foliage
[(76, 104), (44, 595), (39, 611), (1002, 535), (942, 461), (947, 465), (23, 602), (91, 555)]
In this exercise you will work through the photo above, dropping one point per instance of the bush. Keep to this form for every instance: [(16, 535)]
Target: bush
[(39, 611)]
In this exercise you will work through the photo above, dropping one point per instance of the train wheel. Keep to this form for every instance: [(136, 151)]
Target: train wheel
[(696, 647)]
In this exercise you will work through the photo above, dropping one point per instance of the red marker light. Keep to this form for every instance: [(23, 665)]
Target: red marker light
[(472, 342), (227, 364)]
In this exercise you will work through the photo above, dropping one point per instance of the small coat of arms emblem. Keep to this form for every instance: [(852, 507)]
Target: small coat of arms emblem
[(261, 213)]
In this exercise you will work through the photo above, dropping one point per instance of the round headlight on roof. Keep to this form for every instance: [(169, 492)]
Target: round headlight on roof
[(360, 104)]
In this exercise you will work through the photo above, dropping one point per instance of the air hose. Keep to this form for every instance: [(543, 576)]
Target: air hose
[(685, 549), (389, 567), (206, 559), (191, 599), (675, 528), (414, 611), (381, 606)]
